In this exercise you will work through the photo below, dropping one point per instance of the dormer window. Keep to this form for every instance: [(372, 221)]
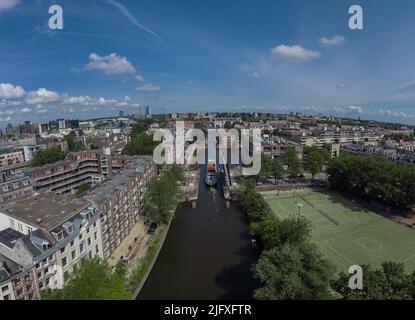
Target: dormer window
[(68, 226), (58, 235)]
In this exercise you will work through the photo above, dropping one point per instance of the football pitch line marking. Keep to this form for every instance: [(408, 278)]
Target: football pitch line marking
[(280, 205), (394, 235), (339, 254), (347, 234)]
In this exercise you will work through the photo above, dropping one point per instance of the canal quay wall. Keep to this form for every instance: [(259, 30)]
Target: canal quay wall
[(143, 280)]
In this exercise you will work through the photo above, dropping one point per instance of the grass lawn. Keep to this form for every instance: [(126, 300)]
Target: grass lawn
[(347, 233)]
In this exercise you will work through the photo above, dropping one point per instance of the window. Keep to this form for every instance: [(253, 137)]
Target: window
[(6, 297), (11, 223), (72, 243), (95, 235), (64, 262), (95, 224), (63, 250), (81, 247), (39, 275), (89, 241), (37, 265), (96, 249), (46, 270), (80, 236), (4, 289), (73, 254), (87, 230)]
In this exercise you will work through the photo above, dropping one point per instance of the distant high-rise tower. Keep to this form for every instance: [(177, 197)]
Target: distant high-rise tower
[(145, 112), (121, 114)]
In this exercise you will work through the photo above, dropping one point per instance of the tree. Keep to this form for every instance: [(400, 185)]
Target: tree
[(140, 144), (73, 144), (47, 156), (82, 188), (291, 160), (293, 272), (267, 231), (228, 125), (374, 179), (276, 169), (252, 202), (386, 283), (314, 159), (162, 194), (266, 167), (92, 280)]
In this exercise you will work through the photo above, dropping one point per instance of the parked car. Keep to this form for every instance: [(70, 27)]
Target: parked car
[(152, 228)]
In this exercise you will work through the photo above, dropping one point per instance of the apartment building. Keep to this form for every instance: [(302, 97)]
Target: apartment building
[(273, 147), (15, 187), (42, 240), (11, 157), (328, 135), (120, 201), (44, 237), (78, 168)]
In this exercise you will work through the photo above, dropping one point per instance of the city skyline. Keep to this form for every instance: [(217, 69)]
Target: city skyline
[(274, 57)]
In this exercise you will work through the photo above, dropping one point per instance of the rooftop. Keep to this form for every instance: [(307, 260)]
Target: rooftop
[(45, 210), (106, 189), (9, 236)]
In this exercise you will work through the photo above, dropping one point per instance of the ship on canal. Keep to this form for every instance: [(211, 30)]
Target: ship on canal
[(211, 173)]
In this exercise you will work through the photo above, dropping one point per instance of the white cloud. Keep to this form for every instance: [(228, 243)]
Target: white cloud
[(76, 100), (9, 91), (342, 86), (148, 87), (132, 19), (8, 4), (256, 75), (338, 109), (110, 64), (295, 52), (139, 77), (26, 110), (42, 95), (4, 119), (356, 109), (398, 114), (333, 41)]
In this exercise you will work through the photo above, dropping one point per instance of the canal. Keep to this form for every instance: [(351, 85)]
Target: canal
[(207, 253)]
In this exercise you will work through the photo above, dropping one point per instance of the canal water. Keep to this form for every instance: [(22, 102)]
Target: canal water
[(207, 253)]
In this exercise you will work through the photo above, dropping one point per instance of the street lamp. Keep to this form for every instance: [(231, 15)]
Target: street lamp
[(300, 206)]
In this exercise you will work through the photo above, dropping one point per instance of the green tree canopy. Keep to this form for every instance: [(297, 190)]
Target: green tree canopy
[(140, 144), (293, 272), (390, 282), (162, 194), (92, 280), (314, 159), (290, 158), (47, 156)]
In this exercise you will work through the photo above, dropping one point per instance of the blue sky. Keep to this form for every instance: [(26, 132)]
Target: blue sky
[(218, 55)]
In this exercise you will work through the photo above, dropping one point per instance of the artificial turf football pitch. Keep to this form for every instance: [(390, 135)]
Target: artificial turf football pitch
[(347, 233)]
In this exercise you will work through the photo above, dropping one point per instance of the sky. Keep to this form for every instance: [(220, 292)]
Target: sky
[(272, 56)]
